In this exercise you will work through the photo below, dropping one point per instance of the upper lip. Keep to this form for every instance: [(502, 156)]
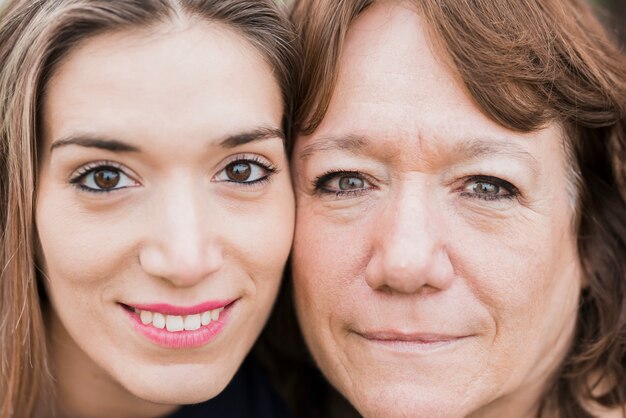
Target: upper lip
[(168, 309), (415, 337)]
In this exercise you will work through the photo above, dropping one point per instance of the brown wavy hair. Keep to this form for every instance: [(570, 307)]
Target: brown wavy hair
[(34, 36), (527, 63)]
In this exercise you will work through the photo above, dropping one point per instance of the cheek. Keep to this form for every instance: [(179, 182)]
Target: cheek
[(527, 279), (261, 237), (79, 249), (328, 263)]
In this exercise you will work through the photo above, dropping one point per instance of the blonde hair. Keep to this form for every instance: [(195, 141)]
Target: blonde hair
[(34, 36)]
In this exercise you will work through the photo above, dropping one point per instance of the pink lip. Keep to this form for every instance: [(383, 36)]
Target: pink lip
[(166, 309), (181, 339)]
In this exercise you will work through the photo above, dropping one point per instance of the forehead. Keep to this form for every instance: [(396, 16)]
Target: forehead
[(388, 63), (396, 86), (160, 82)]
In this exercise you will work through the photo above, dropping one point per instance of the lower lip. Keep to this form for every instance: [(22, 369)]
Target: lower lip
[(181, 339)]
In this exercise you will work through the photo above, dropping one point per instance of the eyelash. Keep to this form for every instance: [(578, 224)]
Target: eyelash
[(512, 192), (255, 160), (320, 181), (80, 174)]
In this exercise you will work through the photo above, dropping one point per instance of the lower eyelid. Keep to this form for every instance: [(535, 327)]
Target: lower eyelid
[(488, 198)]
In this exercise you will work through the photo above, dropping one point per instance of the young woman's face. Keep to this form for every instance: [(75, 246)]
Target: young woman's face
[(165, 211), (434, 263)]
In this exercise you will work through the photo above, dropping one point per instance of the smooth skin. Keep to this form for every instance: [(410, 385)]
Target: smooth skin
[(171, 116), (434, 262)]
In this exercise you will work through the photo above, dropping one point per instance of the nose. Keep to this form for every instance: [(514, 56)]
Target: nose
[(183, 242), (409, 252)]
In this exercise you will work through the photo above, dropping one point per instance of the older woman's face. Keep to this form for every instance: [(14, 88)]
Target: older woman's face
[(434, 262), (165, 211)]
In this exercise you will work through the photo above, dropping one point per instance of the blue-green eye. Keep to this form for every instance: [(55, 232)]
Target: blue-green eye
[(350, 183), (489, 188), (342, 183), (484, 188)]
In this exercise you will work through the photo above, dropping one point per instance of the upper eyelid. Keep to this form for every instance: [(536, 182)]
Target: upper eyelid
[(511, 192), (266, 165), (491, 179), (319, 181), (339, 173), (252, 157), (460, 179), (89, 167)]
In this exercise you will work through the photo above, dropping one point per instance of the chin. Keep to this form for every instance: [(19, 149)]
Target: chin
[(402, 401), (177, 387)]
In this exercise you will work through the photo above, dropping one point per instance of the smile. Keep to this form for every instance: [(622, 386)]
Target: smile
[(179, 327), (177, 323)]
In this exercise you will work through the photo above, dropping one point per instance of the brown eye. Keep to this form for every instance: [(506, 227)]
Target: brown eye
[(239, 171), (106, 179), (351, 183), (245, 171)]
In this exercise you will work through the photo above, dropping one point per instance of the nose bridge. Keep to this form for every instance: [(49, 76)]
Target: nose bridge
[(182, 240), (408, 237), (180, 226), (409, 250)]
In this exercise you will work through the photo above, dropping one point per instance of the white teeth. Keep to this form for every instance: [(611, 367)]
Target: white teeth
[(215, 314), (206, 318), (146, 317), (192, 322), (158, 320), (174, 323)]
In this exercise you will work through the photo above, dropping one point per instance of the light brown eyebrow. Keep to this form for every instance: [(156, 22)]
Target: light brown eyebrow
[(472, 148), (109, 144), (477, 148), (349, 143)]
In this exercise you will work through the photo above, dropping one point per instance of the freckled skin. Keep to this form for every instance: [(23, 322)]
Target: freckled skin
[(417, 249), (176, 233)]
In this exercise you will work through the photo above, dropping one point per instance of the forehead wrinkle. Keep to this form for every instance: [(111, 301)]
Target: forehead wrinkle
[(388, 147), (353, 144), (427, 157)]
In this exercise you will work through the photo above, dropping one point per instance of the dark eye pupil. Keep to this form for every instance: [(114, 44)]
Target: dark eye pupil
[(239, 171), (486, 188), (106, 179), (349, 183)]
